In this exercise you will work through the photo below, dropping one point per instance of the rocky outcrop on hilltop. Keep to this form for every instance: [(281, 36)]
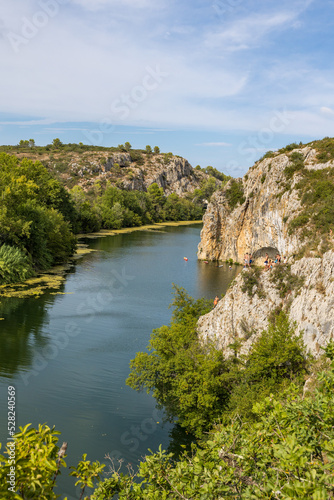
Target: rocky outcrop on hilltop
[(177, 176), (260, 222), (128, 170), (306, 293)]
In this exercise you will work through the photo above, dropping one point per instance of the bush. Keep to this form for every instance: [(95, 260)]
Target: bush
[(251, 282), (15, 265), (235, 194)]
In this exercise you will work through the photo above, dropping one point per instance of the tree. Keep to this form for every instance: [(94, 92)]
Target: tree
[(185, 377), (148, 150), (156, 150), (32, 143), (56, 143), (127, 146)]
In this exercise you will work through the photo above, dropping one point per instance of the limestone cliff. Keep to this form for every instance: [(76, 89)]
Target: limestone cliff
[(261, 222), (285, 204), (131, 170), (242, 316)]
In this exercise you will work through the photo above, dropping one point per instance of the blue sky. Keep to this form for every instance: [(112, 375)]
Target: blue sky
[(219, 81)]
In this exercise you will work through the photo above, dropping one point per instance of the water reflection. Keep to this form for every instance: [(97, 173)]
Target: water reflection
[(21, 331), (214, 278)]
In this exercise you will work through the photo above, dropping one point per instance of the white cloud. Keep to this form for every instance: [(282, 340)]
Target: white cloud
[(248, 32), (327, 111), (75, 67)]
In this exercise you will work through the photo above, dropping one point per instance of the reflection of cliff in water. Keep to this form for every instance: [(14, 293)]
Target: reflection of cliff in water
[(215, 277), (21, 331)]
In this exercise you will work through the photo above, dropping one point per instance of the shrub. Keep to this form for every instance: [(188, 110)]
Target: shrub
[(235, 194), (251, 279), (285, 281), (15, 265)]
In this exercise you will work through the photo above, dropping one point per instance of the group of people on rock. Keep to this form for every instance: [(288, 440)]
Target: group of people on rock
[(270, 263), (248, 259)]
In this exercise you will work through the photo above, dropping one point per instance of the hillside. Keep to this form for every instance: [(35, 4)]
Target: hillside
[(284, 204), (132, 169)]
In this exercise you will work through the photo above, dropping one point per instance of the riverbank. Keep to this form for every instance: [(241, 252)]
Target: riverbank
[(53, 278), (83, 248)]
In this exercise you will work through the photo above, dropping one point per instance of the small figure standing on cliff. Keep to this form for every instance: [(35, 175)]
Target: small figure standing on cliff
[(215, 302), (266, 261)]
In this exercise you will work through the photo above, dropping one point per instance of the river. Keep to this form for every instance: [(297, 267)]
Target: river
[(68, 355)]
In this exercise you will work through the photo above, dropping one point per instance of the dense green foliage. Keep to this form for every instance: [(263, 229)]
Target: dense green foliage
[(35, 216), (316, 192), (213, 172), (38, 461), (15, 265), (235, 194), (285, 452), (38, 216), (297, 164), (184, 376), (199, 385), (325, 148)]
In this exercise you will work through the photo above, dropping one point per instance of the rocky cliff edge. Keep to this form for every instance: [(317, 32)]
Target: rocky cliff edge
[(284, 204)]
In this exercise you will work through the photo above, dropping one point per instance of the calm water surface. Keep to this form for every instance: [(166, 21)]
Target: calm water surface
[(68, 355)]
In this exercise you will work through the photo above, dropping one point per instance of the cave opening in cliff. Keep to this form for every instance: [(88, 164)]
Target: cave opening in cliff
[(261, 253)]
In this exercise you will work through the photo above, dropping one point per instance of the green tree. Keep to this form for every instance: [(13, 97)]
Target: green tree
[(156, 150), (148, 150), (185, 377), (127, 146), (56, 143)]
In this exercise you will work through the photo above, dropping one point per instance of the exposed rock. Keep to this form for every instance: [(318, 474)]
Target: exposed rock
[(261, 222), (241, 317), (122, 159), (177, 176)]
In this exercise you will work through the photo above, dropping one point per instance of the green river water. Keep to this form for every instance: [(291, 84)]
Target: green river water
[(68, 355)]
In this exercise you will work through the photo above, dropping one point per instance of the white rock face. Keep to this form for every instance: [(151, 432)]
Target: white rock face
[(262, 220), (260, 225), (238, 316)]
